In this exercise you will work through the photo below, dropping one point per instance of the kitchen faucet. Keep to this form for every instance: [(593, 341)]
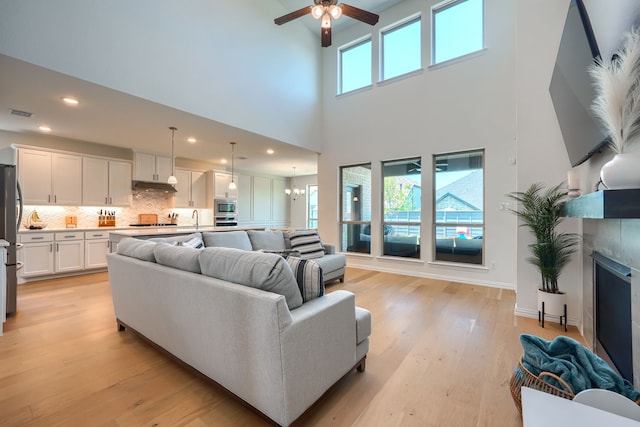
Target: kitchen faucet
[(195, 213)]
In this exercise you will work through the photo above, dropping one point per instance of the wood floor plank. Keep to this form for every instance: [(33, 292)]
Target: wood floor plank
[(441, 354)]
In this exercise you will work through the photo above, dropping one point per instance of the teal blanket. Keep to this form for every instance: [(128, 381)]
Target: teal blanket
[(574, 363)]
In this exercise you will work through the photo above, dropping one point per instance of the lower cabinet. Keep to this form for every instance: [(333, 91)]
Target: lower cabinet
[(36, 254), (69, 254), (96, 248), (45, 254)]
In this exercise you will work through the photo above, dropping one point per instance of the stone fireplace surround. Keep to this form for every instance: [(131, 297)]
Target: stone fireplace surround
[(618, 239), (611, 227)]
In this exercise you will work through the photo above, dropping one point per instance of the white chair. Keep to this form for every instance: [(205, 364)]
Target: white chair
[(609, 401)]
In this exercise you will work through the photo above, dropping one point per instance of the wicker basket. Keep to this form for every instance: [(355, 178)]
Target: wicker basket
[(524, 378)]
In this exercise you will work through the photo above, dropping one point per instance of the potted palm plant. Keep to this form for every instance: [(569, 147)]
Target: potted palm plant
[(540, 211)]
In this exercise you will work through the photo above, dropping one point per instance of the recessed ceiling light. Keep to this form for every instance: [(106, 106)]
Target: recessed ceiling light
[(223, 161), (44, 128), (269, 151), (192, 140), (70, 101)]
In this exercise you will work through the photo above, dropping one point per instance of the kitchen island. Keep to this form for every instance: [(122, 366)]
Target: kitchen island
[(151, 232)]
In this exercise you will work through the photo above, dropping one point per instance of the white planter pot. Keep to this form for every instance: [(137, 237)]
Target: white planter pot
[(622, 172), (553, 303)]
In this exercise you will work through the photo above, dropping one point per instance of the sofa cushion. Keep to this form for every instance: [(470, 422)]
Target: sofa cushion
[(332, 262), (136, 248), (227, 239), (180, 257), (266, 240), (307, 242), (308, 274), (269, 272), (193, 240)]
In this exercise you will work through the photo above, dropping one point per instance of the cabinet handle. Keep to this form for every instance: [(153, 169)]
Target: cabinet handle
[(97, 235), (50, 247), (105, 200), (110, 201), (49, 198), (69, 237), (55, 199), (37, 238), (57, 247)]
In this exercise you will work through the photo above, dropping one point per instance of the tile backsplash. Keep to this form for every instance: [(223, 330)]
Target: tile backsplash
[(141, 203)]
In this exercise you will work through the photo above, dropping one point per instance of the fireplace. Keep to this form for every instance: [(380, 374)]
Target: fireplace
[(612, 314)]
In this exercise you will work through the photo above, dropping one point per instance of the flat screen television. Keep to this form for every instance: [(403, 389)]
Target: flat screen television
[(572, 90)]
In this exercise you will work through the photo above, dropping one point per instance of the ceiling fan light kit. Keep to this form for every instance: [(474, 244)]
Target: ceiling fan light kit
[(327, 9)]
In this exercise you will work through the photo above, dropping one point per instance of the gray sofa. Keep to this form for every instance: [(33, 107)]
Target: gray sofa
[(267, 347), (333, 264)]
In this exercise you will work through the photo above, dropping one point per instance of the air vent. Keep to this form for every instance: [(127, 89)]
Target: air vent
[(20, 113)]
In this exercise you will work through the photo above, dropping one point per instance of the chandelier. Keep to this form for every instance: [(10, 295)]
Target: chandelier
[(172, 179), (294, 192)]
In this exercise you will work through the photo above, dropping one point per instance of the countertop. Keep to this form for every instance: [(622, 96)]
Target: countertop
[(110, 229)]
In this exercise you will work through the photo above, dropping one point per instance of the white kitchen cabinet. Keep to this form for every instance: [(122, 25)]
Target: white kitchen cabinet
[(151, 167), (36, 254), (106, 182), (191, 189), (50, 178), (221, 181), (96, 248), (69, 254), (245, 199)]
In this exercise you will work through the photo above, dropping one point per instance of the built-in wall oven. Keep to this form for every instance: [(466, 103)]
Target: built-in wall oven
[(225, 212)]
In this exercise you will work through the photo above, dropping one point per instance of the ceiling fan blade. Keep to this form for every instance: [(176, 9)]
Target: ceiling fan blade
[(359, 14), (326, 36), (293, 15)]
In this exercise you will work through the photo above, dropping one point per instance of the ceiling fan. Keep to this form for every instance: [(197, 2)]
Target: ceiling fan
[(327, 9)]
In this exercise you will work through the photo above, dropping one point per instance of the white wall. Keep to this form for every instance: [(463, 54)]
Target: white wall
[(465, 105), (222, 60)]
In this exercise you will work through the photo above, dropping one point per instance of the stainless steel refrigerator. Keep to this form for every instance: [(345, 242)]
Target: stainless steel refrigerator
[(10, 218)]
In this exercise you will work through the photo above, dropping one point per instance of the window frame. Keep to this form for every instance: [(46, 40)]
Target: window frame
[(411, 19), (436, 224), (383, 222), (309, 218), (352, 45), (341, 220), (442, 6)]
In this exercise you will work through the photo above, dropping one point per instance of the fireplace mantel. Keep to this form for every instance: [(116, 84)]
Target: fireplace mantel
[(604, 204)]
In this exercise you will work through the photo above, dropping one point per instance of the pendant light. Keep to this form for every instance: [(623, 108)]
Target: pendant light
[(172, 179), (232, 184), (294, 192)]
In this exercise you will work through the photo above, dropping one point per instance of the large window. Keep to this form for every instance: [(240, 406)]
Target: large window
[(401, 51), (459, 207), (402, 199), (355, 207), (457, 29), (355, 66), (312, 206)]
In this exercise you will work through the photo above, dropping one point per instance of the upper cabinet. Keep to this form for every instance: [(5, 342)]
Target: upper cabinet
[(191, 189), (50, 178), (106, 182), (151, 167), (221, 181)]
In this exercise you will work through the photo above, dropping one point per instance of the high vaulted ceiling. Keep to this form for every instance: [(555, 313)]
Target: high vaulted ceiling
[(110, 117)]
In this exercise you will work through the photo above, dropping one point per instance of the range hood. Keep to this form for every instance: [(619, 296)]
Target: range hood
[(161, 187)]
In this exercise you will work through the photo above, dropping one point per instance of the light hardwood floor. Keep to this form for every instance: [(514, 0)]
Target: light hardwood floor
[(441, 354)]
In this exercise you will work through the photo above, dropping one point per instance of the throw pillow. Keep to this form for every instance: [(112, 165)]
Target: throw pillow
[(307, 242), (267, 240), (180, 257), (136, 248), (308, 274), (193, 240), (268, 272)]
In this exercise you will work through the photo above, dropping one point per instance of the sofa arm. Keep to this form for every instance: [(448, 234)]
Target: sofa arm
[(318, 348), (329, 248)]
